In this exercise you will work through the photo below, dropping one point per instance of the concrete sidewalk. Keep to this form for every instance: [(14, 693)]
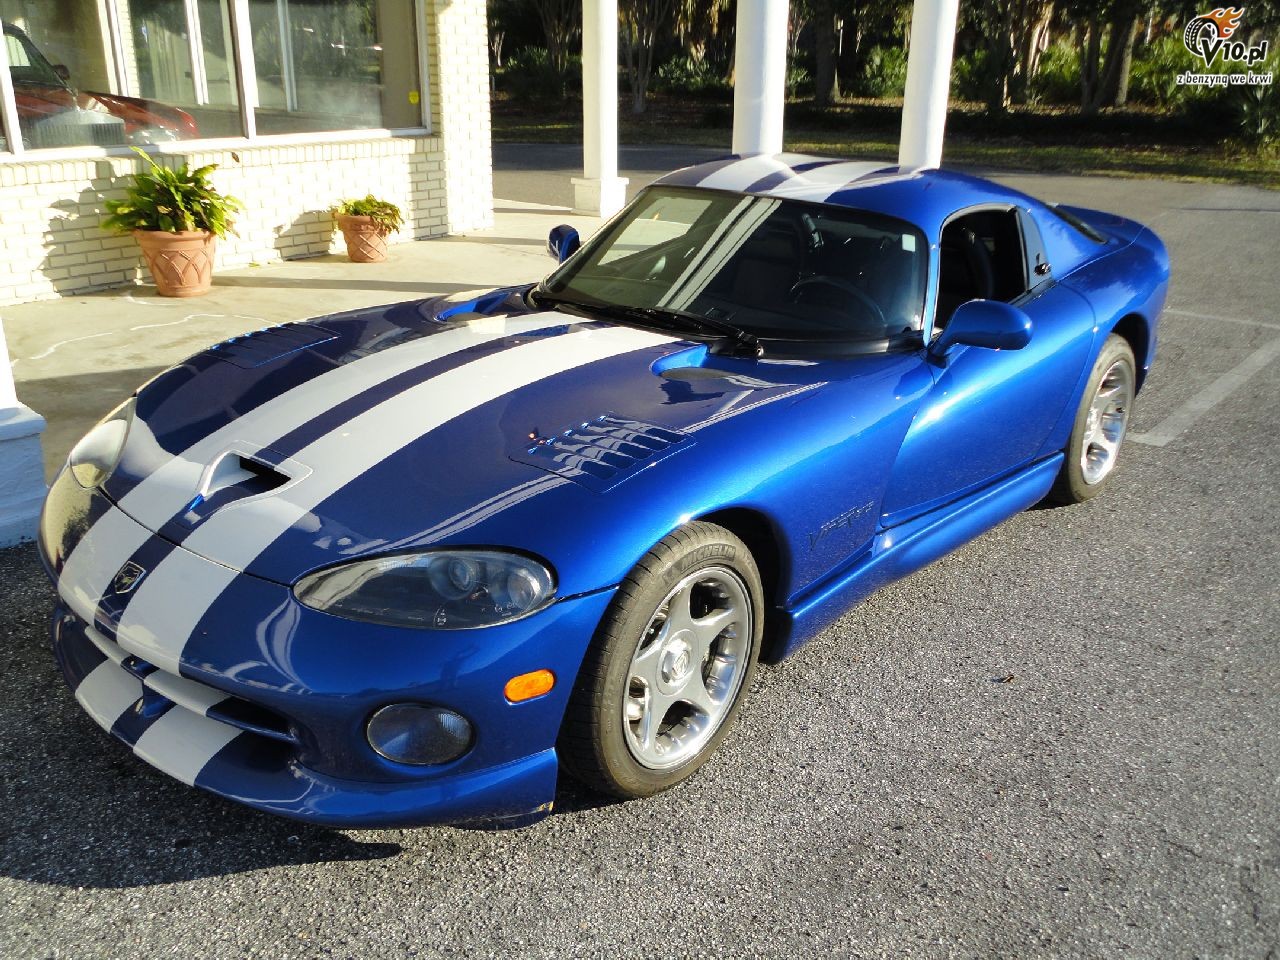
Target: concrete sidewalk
[(76, 358)]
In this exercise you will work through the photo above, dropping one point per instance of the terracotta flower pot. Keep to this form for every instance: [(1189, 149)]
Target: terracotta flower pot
[(366, 241), (181, 263)]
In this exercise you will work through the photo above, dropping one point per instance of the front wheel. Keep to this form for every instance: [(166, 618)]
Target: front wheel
[(1100, 425), (666, 673)]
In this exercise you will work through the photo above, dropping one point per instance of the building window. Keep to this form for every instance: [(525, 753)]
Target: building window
[(110, 73), (178, 57), (334, 65), (63, 85)]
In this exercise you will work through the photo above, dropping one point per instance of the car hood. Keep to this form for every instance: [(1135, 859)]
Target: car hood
[(416, 425)]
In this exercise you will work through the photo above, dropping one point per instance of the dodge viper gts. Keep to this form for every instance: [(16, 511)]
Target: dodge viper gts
[(397, 566)]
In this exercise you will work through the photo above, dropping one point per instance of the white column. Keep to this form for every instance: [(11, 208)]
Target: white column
[(760, 76), (599, 192), (924, 110), (22, 486)]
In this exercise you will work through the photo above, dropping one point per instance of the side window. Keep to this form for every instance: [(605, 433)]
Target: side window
[(981, 257)]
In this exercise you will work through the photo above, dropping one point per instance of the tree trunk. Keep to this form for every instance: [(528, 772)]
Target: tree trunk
[(1090, 52), (1031, 37), (999, 55), (1118, 60), (1124, 65), (826, 83)]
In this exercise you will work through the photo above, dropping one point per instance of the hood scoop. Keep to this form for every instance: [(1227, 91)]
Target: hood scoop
[(601, 453), (270, 343)]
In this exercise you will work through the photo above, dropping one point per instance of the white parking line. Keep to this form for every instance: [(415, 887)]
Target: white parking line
[(1172, 426), (1208, 316)]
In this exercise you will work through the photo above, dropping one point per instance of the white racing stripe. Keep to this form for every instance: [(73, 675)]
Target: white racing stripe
[(168, 603), (107, 692), (833, 177), (196, 697), (740, 175), (173, 598), (153, 502), (96, 560), (181, 742)]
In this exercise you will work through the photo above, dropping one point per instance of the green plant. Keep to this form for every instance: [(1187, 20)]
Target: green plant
[(172, 201), (970, 76), (1057, 80), (385, 215), (884, 72), (530, 76), (1259, 114), (1156, 69), (689, 77)]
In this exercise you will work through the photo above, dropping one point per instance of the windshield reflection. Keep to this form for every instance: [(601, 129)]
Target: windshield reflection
[(780, 269)]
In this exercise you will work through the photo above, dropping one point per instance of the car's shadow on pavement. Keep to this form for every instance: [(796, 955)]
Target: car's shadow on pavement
[(81, 811)]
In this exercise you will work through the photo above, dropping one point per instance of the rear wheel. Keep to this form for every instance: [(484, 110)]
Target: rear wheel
[(1100, 425), (666, 673)]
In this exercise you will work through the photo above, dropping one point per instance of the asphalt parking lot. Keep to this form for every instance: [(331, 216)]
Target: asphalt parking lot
[(1060, 740)]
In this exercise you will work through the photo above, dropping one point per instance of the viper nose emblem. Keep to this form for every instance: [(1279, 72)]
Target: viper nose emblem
[(127, 577)]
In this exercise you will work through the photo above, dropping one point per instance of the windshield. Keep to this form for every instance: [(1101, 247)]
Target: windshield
[(27, 65), (777, 269)]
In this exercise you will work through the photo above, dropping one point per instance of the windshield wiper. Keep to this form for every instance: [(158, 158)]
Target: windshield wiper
[(728, 331), (662, 316)]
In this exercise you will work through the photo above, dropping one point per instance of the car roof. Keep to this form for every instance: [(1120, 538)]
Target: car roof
[(925, 198)]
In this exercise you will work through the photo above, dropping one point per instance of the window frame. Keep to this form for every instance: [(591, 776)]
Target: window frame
[(15, 151), (1032, 283)]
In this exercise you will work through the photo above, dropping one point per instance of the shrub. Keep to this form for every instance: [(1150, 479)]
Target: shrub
[(799, 81), (1057, 80), (385, 214), (529, 75), (1155, 73), (688, 77), (1258, 107), (884, 72), (969, 79), (172, 201)]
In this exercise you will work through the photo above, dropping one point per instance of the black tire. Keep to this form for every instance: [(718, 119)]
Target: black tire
[(1072, 485), (593, 743)]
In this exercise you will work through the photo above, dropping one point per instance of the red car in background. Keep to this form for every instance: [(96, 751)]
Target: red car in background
[(54, 114)]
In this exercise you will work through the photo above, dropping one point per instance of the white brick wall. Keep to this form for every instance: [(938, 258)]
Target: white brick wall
[(459, 55), (51, 241)]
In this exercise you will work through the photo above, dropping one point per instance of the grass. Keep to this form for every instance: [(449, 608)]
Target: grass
[(1131, 143)]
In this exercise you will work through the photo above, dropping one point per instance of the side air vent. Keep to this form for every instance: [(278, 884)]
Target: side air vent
[(603, 452), (270, 343)]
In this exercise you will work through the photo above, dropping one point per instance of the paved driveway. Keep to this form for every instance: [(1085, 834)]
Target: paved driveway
[(1061, 740)]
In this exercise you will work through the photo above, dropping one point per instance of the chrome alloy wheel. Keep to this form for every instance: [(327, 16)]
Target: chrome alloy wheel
[(687, 667), (1108, 418)]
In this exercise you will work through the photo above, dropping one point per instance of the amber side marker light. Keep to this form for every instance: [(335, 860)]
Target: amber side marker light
[(529, 685)]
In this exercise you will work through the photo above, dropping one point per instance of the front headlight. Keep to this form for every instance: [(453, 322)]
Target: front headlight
[(94, 458), (440, 590)]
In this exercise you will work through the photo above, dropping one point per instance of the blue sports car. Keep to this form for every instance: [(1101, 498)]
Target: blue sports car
[(398, 566)]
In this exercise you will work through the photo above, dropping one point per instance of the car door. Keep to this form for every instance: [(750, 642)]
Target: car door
[(990, 412)]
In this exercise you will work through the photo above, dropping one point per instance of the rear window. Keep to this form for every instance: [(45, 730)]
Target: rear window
[(1080, 226)]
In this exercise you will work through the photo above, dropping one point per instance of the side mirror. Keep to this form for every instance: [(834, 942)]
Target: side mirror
[(64, 74), (984, 323), (563, 243)]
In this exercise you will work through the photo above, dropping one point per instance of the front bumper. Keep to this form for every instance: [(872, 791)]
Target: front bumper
[(266, 701)]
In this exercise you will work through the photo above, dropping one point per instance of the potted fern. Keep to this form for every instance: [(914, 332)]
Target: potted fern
[(177, 217), (365, 226)]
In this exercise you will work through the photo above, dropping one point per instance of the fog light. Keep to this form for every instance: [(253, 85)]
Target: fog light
[(418, 734)]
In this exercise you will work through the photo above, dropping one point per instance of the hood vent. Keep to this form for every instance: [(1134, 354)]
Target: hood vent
[(270, 343), (603, 452)]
